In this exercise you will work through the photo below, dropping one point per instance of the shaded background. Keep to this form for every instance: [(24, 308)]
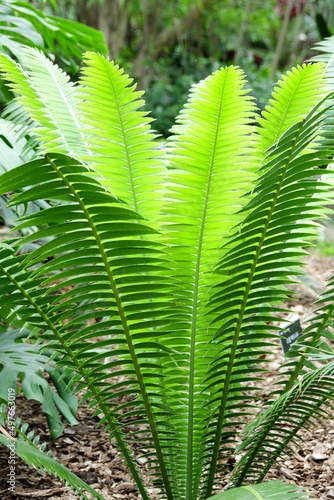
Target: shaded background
[(169, 44)]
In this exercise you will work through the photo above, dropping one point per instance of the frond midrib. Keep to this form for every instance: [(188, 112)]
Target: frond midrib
[(135, 205), (126, 330), (227, 379), (189, 484), (90, 384)]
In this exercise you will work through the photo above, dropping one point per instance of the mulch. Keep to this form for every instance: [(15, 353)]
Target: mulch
[(87, 452)]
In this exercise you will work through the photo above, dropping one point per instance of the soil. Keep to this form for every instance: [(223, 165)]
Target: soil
[(86, 451)]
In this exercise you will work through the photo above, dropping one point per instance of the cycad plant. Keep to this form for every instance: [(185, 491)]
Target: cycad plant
[(157, 272)]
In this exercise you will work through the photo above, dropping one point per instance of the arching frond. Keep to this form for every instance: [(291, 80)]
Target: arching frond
[(22, 24), (210, 170), (27, 447), (113, 272), (99, 122), (304, 84), (48, 97), (272, 490), (119, 135), (269, 436), (45, 463), (266, 250)]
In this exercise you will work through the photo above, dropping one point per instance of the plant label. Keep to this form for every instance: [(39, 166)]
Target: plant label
[(290, 334)]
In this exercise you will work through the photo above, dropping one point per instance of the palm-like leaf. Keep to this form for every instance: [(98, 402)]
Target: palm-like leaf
[(279, 223), (48, 97), (99, 122), (119, 135), (28, 448), (44, 463), (22, 24), (110, 252), (210, 169), (273, 490), (269, 436), (304, 84)]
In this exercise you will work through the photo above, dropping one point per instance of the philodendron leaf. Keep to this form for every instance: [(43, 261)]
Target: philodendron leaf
[(273, 490), (36, 387), (18, 359)]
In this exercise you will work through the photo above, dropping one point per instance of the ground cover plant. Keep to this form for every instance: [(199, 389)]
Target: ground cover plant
[(156, 274)]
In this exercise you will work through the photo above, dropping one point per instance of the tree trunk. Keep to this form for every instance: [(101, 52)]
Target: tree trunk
[(281, 38), (113, 20), (156, 42), (242, 31), (109, 18)]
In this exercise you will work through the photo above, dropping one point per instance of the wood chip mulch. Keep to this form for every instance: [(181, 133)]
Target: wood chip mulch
[(87, 452)]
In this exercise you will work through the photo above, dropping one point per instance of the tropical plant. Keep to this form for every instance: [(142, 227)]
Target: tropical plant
[(61, 39), (164, 269), (18, 359), (29, 449)]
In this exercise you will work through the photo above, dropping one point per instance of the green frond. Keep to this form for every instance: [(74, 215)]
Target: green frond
[(22, 24), (48, 97), (210, 169), (44, 463), (27, 447), (265, 251), (273, 490), (326, 57), (268, 437), (119, 135), (304, 84), (104, 254), (99, 122), (310, 345)]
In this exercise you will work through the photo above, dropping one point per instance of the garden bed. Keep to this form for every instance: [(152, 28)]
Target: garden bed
[(85, 450)]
